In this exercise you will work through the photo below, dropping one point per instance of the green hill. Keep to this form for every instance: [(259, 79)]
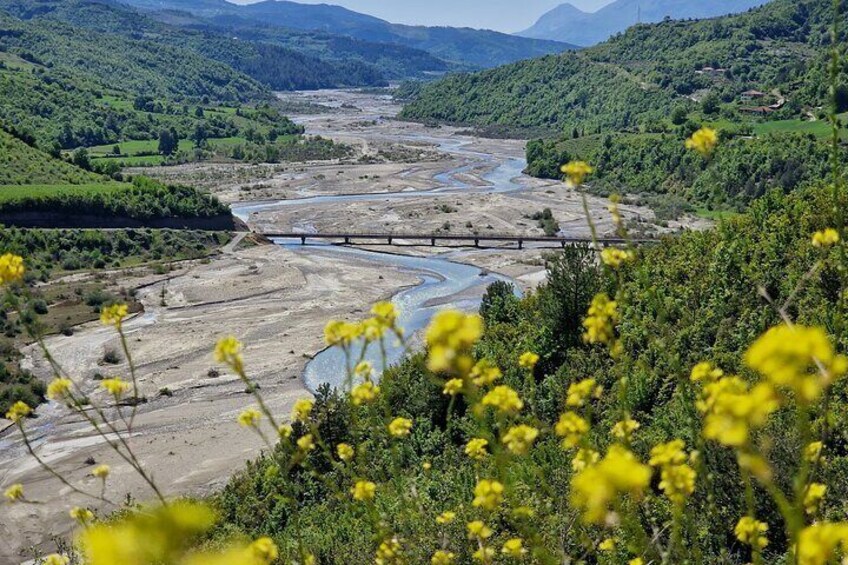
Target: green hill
[(637, 78), (21, 164)]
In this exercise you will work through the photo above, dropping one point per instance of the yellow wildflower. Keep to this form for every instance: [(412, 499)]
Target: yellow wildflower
[(306, 443), (812, 453), (400, 427), (671, 453), (476, 449), (342, 333), (601, 320), (56, 559), (583, 458), (504, 399), (446, 517), (59, 388), (798, 358), (450, 337), (301, 410), (578, 393), (11, 268), (705, 372), (228, 351), (571, 428), (385, 312), (615, 258), (14, 493), (389, 552), (265, 550), (756, 465), (373, 330), (485, 373), (624, 429), (528, 360), (731, 411), (345, 452), (82, 515), (363, 491), (453, 387), (114, 315), (813, 497), (519, 439), (18, 411), (576, 172), (285, 431), (426, 465), (442, 557), (364, 369), (488, 494), (703, 141), (101, 471), (826, 238), (819, 544), (250, 418), (594, 489), (364, 393), (115, 386), (479, 530), (637, 561), (484, 554), (752, 532), (677, 482), (513, 548), (607, 545)]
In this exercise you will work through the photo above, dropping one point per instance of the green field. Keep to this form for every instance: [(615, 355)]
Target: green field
[(819, 128), (9, 193)]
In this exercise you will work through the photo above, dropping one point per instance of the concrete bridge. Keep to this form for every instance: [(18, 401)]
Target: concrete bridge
[(351, 238)]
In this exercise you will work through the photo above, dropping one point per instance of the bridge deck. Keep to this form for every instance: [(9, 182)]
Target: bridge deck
[(391, 238)]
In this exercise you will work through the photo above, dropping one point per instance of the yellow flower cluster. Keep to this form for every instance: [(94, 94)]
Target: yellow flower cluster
[(337, 332), (363, 491), (583, 458), (615, 258), (82, 515), (571, 427), (703, 141), (820, 543), (345, 452), (797, 358), (751, 531), (479, 530), (600, 323), (446, 517), (114, 315), (101, 472), (364, 393), (59, 388), (228, 351), (528, 360), (250, 418), (731, 410), (813, 497), (301, 410), (442, 557), (677, 479), (450, 337), (488, 494), (826, 238), (813, 452), (476, 449), (519, 439), (504, 399), (485, 373), (579, 393), (115, 386), (594, 489), (306, 443), (11, 268), (18, 411), (576, 172), (400, 427), (514, 548), (56, 559), (389, 553), (624, 429), (705, 372), (14, 493), (453, 387)]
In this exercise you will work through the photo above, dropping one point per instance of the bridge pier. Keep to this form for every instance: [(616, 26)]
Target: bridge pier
[(476, 243), (521, 244), (390, 241), (303, 240), (347, 240), (433, 242)]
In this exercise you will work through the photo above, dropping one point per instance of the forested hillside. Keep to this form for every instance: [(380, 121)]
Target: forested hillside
[(21, 164), (694, 64)]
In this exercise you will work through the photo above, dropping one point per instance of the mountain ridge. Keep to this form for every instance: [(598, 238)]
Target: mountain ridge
[(570, 24)]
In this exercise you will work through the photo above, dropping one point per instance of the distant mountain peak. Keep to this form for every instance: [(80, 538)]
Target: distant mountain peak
[(571, 25)]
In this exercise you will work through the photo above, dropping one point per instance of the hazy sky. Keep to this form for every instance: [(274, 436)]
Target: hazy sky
[(502, 15)]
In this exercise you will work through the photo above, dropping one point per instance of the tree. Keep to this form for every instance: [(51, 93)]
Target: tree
[(168, 142), (500, 304), (80, 159), (200, 135), (679, 115)]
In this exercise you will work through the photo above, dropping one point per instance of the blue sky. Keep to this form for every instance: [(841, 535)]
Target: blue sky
[(502, 15)]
